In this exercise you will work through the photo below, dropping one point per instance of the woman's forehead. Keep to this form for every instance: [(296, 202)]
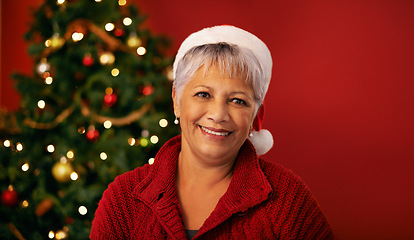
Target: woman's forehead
[(222, 71), (215, 77)]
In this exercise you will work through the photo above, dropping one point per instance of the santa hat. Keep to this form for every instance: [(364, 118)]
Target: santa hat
[(262, 139)]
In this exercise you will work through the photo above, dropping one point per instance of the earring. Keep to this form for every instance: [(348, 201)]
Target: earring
[(250, 134), (176, 121)]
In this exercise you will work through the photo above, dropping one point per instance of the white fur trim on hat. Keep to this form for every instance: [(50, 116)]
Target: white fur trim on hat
[(231, 35), (262, 141)]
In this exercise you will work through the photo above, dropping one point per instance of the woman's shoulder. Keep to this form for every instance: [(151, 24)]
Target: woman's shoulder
[(276, 172), (282, 179), (127, 181), (293, 201)]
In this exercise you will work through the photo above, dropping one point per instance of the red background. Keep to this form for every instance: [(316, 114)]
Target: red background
[(340, 105)]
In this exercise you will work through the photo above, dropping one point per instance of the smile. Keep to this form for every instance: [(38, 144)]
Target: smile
[(214, 132)]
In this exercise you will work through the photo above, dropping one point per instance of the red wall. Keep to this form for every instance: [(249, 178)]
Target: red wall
[(340, 106)]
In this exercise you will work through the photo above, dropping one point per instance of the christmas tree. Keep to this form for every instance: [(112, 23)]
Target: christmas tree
[(98, 104)]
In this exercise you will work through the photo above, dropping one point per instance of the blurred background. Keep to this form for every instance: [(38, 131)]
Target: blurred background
[(340, 104)]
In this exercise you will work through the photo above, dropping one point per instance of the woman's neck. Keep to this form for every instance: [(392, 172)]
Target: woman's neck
[(199, 188), (192, 172)]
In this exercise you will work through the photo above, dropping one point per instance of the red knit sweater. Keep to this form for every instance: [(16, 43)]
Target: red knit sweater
[(263, 201)]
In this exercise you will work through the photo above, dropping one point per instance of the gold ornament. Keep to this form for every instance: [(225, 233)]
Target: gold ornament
[(61, 171)]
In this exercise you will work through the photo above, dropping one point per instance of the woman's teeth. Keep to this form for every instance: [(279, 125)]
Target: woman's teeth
[(214, 133)]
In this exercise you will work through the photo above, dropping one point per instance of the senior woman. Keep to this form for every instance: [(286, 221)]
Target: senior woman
[(209, 183)]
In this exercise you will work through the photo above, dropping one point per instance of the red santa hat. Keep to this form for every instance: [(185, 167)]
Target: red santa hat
[(262, 139)]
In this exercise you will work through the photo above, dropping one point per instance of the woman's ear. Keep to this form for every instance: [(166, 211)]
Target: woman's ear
[(175, 103)]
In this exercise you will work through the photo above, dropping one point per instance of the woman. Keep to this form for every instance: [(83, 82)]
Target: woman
[(208, 183)]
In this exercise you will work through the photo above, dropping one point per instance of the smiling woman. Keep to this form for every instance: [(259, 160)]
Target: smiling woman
[(209, 182)]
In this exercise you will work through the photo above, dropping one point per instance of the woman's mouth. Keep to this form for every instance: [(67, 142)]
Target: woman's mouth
[(217, 133)]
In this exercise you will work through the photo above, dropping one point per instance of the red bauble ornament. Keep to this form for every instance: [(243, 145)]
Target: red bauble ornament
[(110, 99), (92, 134), (9, 197), (119, 32), (88, 60), (147, 90)]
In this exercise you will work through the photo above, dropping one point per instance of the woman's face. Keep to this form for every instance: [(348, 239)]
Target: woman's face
[(216, 114)]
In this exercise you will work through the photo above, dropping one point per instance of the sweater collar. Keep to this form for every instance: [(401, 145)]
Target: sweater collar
[(161, 177), (249, 186)]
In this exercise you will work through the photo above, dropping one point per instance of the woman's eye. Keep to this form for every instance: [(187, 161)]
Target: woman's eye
[(239, 101), (202, 94)]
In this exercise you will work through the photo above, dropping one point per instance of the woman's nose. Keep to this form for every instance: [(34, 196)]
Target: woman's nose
[(218, 111)]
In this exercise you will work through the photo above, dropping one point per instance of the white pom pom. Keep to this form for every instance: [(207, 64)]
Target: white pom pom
[(262, 141)]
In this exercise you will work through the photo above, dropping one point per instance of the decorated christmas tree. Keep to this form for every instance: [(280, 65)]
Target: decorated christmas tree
[(98, 104)]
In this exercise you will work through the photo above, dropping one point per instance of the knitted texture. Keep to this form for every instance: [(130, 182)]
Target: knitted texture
[(263, 201)]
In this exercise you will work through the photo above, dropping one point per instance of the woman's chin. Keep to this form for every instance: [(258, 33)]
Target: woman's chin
[(214, 152)]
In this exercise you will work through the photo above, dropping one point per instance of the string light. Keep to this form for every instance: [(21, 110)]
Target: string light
[(115, 72), (48, 42), (144, 142), (74, 176), (60, 2), (98, 0), (25, 203), (154, 139), (103, 156), (76, 36), (141, 51), (43, 66), (19, 147), (7, 143), (131, 141), (163, 123), (25, 167), (151, 161), (83, 210), (70, 154), (122, 2), (81, 130), (51, 234), (107, 58), (109, 27), (61, 234), (49, 80), (145, 133), (107, 124), (127, 21), (50, 148), (41, 104)]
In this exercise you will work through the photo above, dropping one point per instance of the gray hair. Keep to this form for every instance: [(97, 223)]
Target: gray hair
[(231, 59)]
